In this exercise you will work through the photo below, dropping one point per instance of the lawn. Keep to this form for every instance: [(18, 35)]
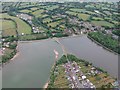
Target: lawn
[(103, 23), (22, 27), (8, 28)]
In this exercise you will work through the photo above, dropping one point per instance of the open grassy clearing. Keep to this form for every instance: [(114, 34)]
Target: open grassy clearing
[(80, 15), (71, 13), (84, 16), (54, 24), (25, 11), (52, 7), (38, 13), (60, 80), (34, 8), (42, 28), (82, 11), (101, 79), (97, 18), (47, 20), (102, 23), (8, 28), (22, 27)]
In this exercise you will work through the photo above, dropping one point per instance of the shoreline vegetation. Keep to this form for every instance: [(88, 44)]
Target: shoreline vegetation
[(93, 40), (114, 49), (16, 54), (55, 72), (72, 36)]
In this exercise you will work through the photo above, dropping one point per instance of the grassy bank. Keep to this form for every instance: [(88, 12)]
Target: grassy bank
[(106, 41)]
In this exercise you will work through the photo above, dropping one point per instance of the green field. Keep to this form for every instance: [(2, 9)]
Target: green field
[(38, 13), (82, 11), (22, 27), (97, 18), (47, 20), (52, 7), (80, 15), (25, 11), (102, 23), (35, 8), (8, 28), (71, 13), (54, 24), (84, 16)]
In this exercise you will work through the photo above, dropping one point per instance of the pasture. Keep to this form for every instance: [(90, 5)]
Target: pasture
[(37, 13), (103, 23), (22, 27), (8, 28)]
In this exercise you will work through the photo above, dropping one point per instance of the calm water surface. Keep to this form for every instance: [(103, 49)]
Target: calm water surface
[(31, 68), (84, 48)]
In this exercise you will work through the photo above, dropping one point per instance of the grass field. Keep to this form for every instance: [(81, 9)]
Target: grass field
[(61, 81), (35, 8), (54, 24), (71, 13), (103, 80), (80, 15), (97, 18), (8, 28), (82, 11), (22, 27), (84, 16), (47, 20), (102, 23), (25, 11), (52, 7), (38, 13)]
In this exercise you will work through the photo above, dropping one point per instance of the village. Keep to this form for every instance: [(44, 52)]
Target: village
[(80, 74)]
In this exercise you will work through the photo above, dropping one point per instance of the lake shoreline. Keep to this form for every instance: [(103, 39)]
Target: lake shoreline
[(104, 47), (12, 59)]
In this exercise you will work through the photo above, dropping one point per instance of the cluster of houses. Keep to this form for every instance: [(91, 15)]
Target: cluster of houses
[(76, 77), (89, 27)]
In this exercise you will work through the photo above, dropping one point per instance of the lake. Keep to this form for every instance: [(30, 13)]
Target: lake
[(31, 68)]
